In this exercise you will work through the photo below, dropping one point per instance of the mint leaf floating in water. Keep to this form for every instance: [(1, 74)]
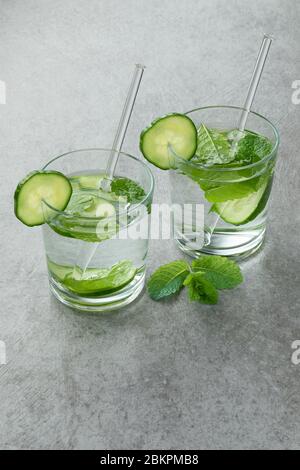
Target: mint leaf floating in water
[(236, 202), (222, 272), (207, 274), (168, 279), (213, 147), (201, 289), (232, 191), (251, 147), (128, 188)]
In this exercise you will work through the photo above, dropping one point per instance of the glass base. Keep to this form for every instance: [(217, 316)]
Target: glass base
[(104, 303), (232, 244)]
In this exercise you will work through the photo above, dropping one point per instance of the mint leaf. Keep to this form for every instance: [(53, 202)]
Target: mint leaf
[(210, 178), (79, 203), (201, 289), (213, 147), (204, 177), (208, 274), (231, 191), (252, 148), (128, 188), (168, 279), (222, 272)]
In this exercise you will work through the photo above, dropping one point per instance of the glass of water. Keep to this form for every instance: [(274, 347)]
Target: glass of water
[(232, 186), (96, 248)]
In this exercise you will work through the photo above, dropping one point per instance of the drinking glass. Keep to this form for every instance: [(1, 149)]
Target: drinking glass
[(218, 235), (93, 262)]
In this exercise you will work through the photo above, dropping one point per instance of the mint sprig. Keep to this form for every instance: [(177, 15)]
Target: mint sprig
[(125, 187), (168, 279), (200, 289), (252, 148), (203, 278), (222, 272), (213, 147)]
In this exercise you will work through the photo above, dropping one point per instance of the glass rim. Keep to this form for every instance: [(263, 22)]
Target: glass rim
[(112, 217), (237, 168)]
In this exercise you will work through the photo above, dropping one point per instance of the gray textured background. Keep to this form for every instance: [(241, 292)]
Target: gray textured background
[(168, 375)]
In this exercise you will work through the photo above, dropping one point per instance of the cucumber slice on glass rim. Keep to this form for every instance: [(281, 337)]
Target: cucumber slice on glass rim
[(175, 130), (50, 186)]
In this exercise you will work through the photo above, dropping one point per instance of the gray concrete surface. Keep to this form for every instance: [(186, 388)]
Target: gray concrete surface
[(168, 375)]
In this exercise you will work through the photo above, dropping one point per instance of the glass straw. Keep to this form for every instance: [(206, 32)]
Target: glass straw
[(256, 76), (123, 125), (86, 254), (254, 82)]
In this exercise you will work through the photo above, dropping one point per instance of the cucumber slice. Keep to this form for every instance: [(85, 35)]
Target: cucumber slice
[(105, 209), (50, 186), (93, 280), (100, 208), (239, 211), (262, 203), (59, 271), (176, 130), (90, 181), (104, 280)]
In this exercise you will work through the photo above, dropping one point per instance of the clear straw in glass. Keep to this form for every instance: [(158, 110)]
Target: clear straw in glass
[(86, 253), (256, 76), (123, 125), (254, 82)]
